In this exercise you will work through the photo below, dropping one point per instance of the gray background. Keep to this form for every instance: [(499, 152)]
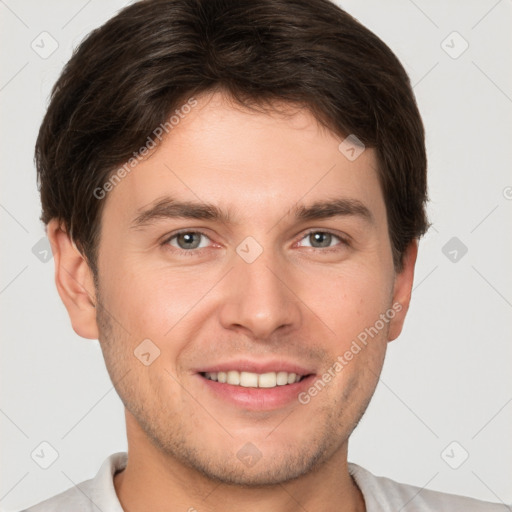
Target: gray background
[(447, 378)]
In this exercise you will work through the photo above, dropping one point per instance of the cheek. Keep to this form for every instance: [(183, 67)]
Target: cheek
[(350, 300), (155, 302)]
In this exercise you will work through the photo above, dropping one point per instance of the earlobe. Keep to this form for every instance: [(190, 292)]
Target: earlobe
[(402, 290), (74, 281)]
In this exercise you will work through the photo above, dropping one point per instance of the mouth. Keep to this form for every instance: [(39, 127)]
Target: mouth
[(252, 391), (244, 379)]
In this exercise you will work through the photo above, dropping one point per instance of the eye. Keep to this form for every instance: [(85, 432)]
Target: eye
[(323, 239), (188, 240)]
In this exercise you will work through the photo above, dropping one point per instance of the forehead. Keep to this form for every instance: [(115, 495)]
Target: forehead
[(256, 164)]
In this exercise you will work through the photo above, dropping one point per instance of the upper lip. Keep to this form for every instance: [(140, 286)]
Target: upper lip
[(245, 365)]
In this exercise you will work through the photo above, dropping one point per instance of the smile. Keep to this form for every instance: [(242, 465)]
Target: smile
[(254, 380)]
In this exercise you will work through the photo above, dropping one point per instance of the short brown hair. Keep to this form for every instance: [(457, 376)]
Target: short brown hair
[(128, 76)]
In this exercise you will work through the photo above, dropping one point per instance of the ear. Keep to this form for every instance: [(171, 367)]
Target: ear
[(402, 290), (74, 280)]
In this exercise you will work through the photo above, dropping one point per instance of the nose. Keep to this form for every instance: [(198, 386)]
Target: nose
[(258, 298)]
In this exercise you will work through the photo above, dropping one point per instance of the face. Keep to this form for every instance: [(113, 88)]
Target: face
[(249, 247)]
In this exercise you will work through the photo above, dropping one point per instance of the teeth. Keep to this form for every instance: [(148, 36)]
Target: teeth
[(233, 377), (267, 380), (282, 378), (248, 380), (254, 380)]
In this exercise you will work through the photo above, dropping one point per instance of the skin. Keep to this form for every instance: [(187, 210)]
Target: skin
[(296, 301)]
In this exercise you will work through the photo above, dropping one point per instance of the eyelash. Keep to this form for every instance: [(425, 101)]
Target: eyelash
[(193, 252)]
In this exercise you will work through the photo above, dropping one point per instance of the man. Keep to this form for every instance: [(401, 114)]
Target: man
[(234, 192)]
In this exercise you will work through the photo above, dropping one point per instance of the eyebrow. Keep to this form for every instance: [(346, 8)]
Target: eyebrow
[(170, 208)]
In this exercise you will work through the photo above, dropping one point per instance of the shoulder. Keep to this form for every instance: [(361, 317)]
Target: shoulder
[(90, 495), (385, 495), (74, 498)]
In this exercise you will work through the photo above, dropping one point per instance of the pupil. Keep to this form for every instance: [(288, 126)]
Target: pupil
[(323, 239), (188, 240)]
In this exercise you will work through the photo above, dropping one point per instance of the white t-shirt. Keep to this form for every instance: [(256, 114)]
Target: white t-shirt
[(380, 494)]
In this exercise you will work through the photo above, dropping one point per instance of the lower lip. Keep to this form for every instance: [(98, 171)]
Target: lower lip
[(258, 399)]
